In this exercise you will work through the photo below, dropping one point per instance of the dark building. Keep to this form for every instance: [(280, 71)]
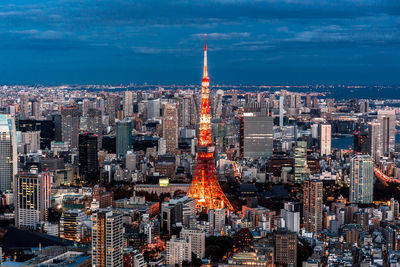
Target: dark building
[(361, 142), (47, 130), (88, 159), (285, 243), (109, 143)]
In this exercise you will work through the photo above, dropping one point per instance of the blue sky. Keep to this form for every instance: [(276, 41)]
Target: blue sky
[(161, 41)]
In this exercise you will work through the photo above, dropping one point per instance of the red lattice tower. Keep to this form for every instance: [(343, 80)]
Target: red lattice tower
[(205, 187)]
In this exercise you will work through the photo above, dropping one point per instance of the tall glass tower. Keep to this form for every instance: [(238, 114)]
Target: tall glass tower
[(8, 152), (361, 179)]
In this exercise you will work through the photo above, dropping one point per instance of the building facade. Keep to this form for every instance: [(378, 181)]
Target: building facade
[(361, 179), (32, 200), (312, 205), (107, 239), (8, 152)]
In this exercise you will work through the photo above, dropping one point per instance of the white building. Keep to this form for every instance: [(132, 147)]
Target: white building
[(361, 179), (32, 193), (178, 251), (128, 103), (325, 139), (8, 152), (216, 220), (197, 240)]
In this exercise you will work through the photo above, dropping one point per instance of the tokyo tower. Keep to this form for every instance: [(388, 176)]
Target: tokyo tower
[(205, 187)]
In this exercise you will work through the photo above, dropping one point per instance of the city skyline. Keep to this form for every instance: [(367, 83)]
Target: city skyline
[(266, 42)]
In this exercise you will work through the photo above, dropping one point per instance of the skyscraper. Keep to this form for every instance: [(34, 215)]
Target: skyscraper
[(112, 106), (70, 125), (300, 161), (361, 179), (107, 239), (312, 205), (128, 103), (257, 131), (88, 158), (325, 139), (36, 110), (32, 193), (387, 119), (124, 137), (95, 124), (8, 152), (184, 111), (375, 142), (153, 109), (170, 127), (281, 99)]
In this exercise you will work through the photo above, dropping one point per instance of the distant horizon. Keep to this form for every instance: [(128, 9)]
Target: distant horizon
[(132, 84)]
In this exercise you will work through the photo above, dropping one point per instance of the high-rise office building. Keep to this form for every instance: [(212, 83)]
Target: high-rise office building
[(387, 119), (300, 161), (179, 250), (394, 207), (312, 205), (24, 105), (70, 119), (361, 142), (184, 111), (71, 224), (36, 110), (375, 142), (28, 142), (47, 130), (361, 179), (88, 158), (112, 107), (257, 131), (216, 220), (217, 104), (107, 239), (308, 101), (128, 103), (234, 98), (281, 100), (124, 137), (291, 216), (153, 109), (176, 211), (95, 124), (197, 240), (285, 248), (32, 198), (8, 152), (170, 127), (325, 139)]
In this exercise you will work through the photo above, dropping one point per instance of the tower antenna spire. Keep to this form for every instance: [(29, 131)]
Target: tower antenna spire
[(205, 71)]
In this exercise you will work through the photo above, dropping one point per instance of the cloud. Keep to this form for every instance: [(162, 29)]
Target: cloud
[(291, 32)]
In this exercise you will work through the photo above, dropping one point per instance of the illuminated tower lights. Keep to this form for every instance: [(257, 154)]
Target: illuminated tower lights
[(205, 187)]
